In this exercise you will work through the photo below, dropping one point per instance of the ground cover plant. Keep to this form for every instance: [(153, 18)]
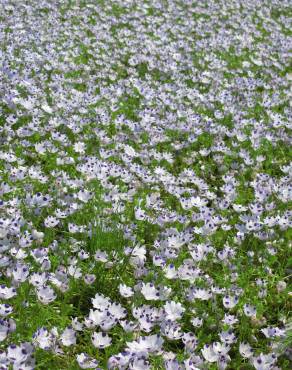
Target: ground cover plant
[(145, 184)]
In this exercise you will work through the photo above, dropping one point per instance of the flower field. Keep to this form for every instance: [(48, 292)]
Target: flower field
[(145, 184)]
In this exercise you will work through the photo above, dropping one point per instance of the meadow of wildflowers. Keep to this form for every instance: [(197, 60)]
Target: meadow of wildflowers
[(145, 184)]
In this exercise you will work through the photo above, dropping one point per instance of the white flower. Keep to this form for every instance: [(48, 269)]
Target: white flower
[(83, 255), (46, 294), (171, 330), (51, 221), (3, 330), (221, 348), (202, 294), (198, 202), (20, 273), (7, 293), (126, 291), (75, 271), (152, 343), (101, 256), (89, 279), (98, 316), (100, 302), (193, 362), (223, 361), (172, 364), (128, 326), (101, 340), (140, 214), (281, 286), (197, 322), (130, 151), (230, 301), (19, 354), (227, 336), (249, 310), (5, 309), (40, 148), (209, 354), (173, 310), (139, 364), (271, 332), (175, 242), (239, 208), (38, 235), (264, 362), (84, 195), (190, 341), (86, 362), (76, 325), (47, 108), (217, 352), (117, 311), (150, 292), (145, 324), (68, 337), (79, 147), (245, 350), (170, 272), (38, 279), (229, 319), (138, 255), (43, 338)]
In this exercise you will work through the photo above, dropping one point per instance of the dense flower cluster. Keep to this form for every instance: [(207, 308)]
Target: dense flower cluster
[(145, 183)]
